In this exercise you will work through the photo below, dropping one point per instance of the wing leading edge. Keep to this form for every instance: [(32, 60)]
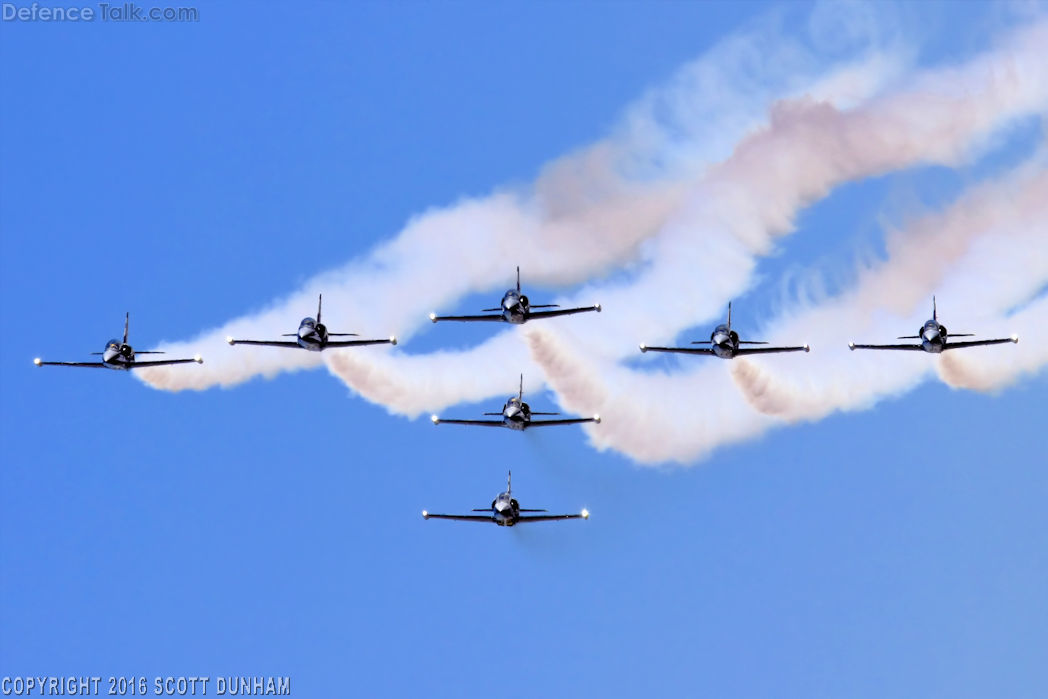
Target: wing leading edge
[(549, 518), (769, 350), (461, 518), (912, 348), (566, 421), (563, 312), (484, 423), (161, 362), (679, 350), (469, 319), (977, 343), (264, 343), (358, 343)]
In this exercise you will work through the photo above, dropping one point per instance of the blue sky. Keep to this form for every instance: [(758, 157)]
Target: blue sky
[(192, 173)]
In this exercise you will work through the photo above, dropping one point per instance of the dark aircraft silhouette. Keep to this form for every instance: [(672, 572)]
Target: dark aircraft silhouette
[(516, 415), (505, 512), (724, 343), (120, 355), (933, 338), (313, 335), (517, 309)]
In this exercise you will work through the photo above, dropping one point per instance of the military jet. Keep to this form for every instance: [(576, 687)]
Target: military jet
[(933, 338), (516, 415), (505, 511), (120, 355), (725, 343), (313, 335), (516, 308)]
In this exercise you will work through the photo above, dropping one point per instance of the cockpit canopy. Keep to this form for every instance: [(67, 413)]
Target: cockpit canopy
[(113, 344), (308, 321)]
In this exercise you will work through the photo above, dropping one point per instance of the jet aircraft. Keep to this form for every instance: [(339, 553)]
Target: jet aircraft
[(516, 415), (505, 511), (725, 343), (516, 308), (120, 355), (313, 335), (933, 337)]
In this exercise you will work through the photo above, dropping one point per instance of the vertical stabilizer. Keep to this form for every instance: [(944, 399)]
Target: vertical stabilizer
[(729, 316), (509, 482), (935, 312), (127, 320), (518, 279), (520, 395), (320, 303)]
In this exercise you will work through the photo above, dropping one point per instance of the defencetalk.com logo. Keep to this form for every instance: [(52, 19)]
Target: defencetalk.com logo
[(103, 11)]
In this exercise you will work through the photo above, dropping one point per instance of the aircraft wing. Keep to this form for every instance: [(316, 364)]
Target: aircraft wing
[(266, 343), (567, 421), (89, 365), (914, 348), (357, 343), (484, 423), (562, 312), (471, 319), (160, 362), (461, 518), (768, 350), (976, 343), (549, 518), (681, 350)]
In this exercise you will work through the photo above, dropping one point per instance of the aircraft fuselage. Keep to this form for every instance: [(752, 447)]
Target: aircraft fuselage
[(933, 336), (515, 307), (724, 342), (118, 355), (505, 510), (312, 335), (516, 414)]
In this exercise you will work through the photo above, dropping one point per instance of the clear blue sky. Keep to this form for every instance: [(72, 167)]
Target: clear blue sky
[(189, 173)]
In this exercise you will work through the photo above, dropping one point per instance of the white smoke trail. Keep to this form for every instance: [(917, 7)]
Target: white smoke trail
[(996, 228), (1029, 356), (706, 252), (689, 239), (585, 215)]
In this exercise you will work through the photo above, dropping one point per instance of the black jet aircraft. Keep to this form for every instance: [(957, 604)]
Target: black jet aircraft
[(933, 337), (516, 415), (120, 355), (517, 309), (505, 511), (724, 343), (313, 335)]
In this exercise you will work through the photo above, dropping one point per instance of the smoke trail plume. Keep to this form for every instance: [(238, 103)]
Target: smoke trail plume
[(586, 214), (684, 236), (985, 237)]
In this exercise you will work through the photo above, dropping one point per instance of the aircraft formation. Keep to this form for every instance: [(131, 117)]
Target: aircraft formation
[(312, 335)]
